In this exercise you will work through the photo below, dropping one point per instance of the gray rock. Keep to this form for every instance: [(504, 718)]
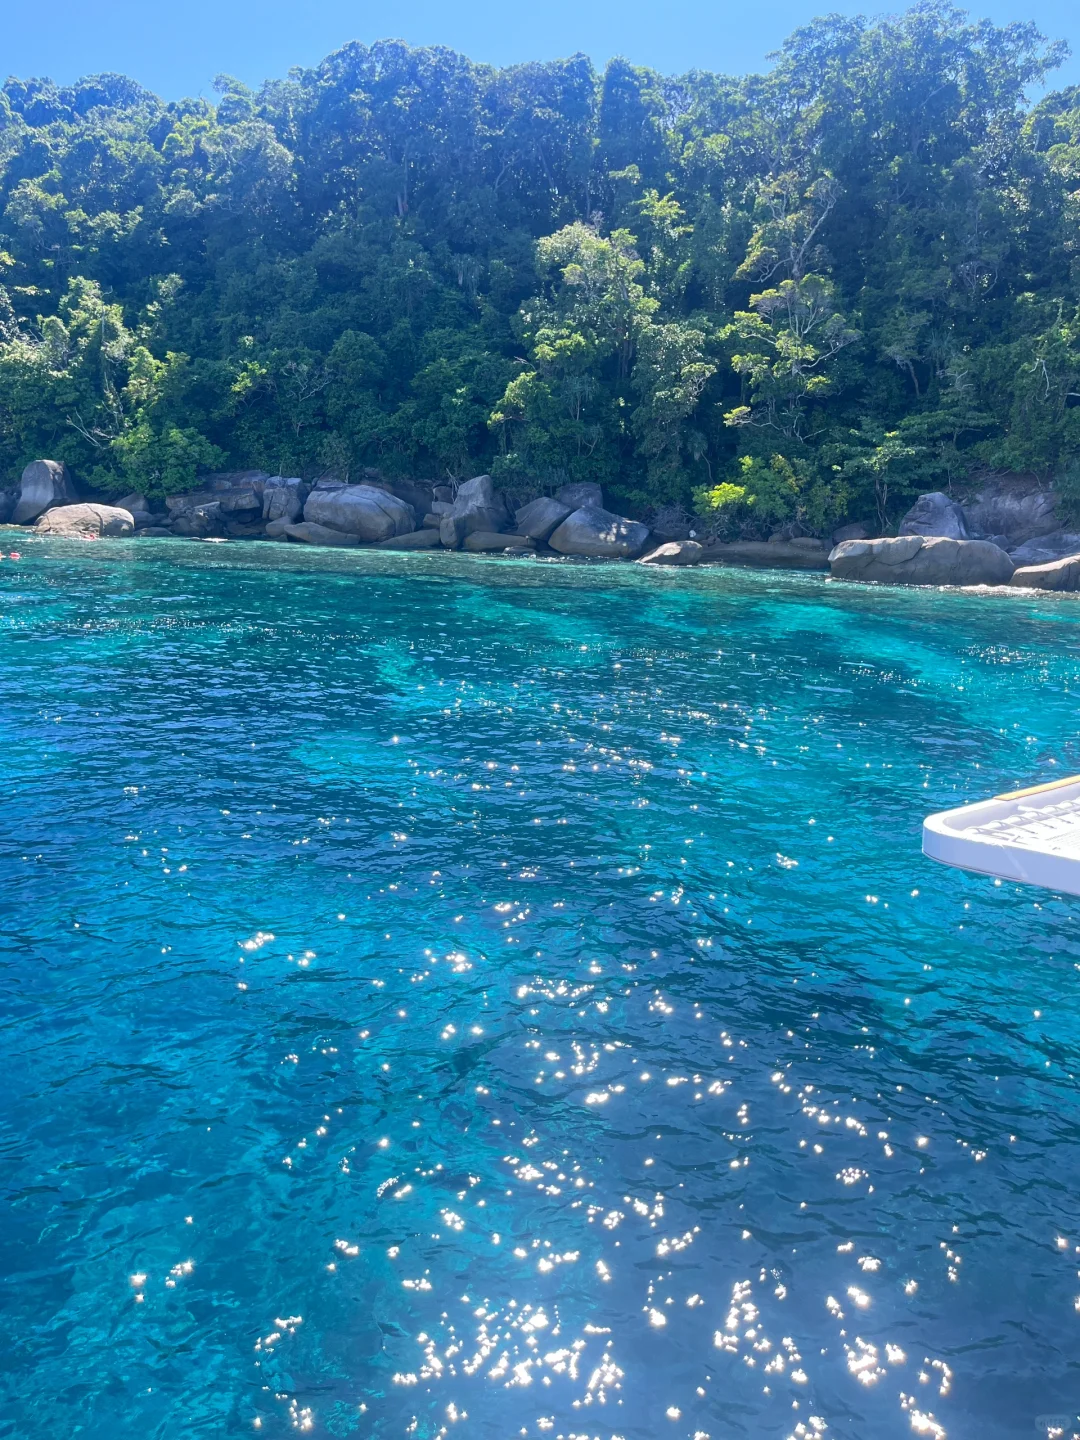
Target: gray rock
[(1017, 507), (856, 531), (86, 520), (443, 492), (241, 503), (481, 540), (767, 554), (363, 511), (153, 532), (580, 494), (8, 500), (44, 483), (275, 529), (675, 552), (540, 517), (426, 539), (441, 507), (283, 498), (477, 506), (191, 500), (244, 529), (1063, 574), (1044, 548), (922, 560), (451, 532), (199, 522), (935, 514), (417, 493), (431, 521), (139, 518), (593, 531), (312, 533), (133, 502)]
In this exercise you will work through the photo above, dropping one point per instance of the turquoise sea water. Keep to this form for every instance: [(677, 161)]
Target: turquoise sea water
[(460, 997)]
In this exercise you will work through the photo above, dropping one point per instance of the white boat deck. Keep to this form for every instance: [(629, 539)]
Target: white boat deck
[(1028, 835)]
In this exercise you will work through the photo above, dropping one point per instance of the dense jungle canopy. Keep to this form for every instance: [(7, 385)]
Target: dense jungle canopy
[(812, 292)]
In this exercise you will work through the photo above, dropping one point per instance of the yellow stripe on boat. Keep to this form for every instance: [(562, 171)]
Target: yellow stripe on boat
[(1039, 789)]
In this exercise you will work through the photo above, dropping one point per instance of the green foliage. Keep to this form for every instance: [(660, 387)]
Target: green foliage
[(788, 297)]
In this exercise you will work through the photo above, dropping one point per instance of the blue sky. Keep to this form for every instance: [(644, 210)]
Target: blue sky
[(177, 49)]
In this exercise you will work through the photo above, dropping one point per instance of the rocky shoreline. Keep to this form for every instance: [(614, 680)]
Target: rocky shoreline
[(387, 515), (1008, 534)]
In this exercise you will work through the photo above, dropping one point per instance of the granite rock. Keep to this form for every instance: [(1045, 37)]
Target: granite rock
[(922, 560), (44, 483), (675, 552), (596, 532), (86, 520), (540, 517), (935, 514), (425, 539), (477, 506), (481, 540), (1063, 574), (365, 512), (581, 493), (312, 533)]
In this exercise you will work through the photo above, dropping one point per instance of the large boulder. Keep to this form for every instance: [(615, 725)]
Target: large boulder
[(44, 483), (675, 552), (579, 493), (935, 514), (8, 500), (593, 531), (283, 498), (312, 533), (86, 521), (540, 517), (363, 511), (1061, 574), (1017, 508), (477, 506), (922, 560)]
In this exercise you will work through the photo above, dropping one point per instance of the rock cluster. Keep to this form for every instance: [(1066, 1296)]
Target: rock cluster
[(392, 515), (1009, 533)]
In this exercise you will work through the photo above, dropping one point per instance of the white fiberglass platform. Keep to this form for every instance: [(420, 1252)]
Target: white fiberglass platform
[(1028, 835)]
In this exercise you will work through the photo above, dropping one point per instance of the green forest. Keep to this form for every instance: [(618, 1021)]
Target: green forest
[(807, 294)]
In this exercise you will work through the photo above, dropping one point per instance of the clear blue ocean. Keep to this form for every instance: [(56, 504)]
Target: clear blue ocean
[(458, 997)]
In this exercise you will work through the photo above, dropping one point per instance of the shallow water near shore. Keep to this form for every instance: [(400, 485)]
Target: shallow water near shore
[(470, 997)]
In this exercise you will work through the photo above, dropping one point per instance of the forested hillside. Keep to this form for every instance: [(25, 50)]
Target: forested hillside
[(815, 291)]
